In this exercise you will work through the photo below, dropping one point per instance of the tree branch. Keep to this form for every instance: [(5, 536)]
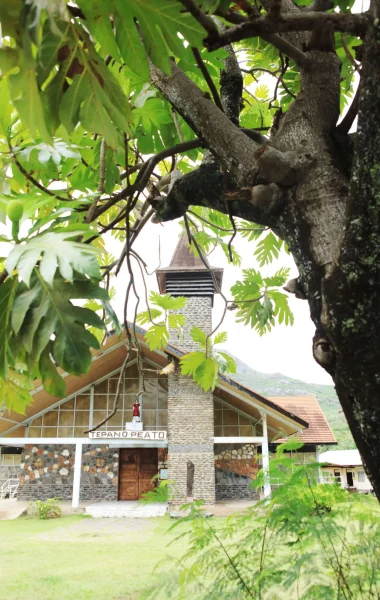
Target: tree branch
[(208, 79), (145, 172), (204, 20), (355, 24), (244, 158)]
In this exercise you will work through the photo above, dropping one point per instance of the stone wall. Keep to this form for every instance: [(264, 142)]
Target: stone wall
[(198, 312), (191, 416), (235, 468), (47, 471), (190, 438), (100, 473)]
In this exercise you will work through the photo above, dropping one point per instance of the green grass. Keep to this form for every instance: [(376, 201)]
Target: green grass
[(78, 563)]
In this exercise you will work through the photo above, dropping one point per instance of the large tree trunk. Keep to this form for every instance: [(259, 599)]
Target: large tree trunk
[(300, 186), (351, 315)]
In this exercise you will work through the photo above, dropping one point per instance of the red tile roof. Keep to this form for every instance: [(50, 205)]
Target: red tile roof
[(307, 408)]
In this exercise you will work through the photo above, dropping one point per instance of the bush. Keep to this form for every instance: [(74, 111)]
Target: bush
[(308, 541), (45, 509)]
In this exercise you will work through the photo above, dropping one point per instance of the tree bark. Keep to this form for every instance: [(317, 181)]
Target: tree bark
[(351, 293)]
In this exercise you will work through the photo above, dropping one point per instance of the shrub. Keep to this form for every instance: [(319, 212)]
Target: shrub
[(308, 541), (45, 509)]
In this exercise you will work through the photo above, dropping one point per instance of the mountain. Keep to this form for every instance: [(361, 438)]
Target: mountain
[(276, 384)]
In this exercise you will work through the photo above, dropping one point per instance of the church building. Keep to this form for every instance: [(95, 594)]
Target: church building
[(210, 445)]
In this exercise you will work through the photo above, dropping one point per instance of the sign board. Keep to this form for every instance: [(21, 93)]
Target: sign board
[(148, 436)]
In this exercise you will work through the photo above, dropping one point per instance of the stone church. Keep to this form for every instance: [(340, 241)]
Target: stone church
[(209, 444)]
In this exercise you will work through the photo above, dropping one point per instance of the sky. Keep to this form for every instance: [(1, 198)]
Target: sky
[(286, 350)]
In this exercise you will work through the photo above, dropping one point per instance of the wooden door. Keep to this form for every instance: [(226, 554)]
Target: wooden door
[(148, 468), (129, 474), (137, 467)]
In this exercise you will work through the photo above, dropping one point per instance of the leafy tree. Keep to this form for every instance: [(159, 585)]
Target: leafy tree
[(97, 96)]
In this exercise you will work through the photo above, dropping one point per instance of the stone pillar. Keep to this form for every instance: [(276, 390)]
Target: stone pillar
[(191, 417)]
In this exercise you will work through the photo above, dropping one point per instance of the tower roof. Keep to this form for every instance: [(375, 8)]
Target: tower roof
[(191, 266)]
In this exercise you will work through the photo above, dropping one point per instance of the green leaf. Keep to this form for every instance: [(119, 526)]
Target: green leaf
[(7, 295), (14, 396), (147, 316), (176, 321), (26, 95), (51, 379), (198, 336), (157, 336), (268, 249), (159, 24), (278, 279), (48, 310), (54, 251), (204, 370), (220, 338), (281, 310), (167, 302), (99, 25), (228, 365)]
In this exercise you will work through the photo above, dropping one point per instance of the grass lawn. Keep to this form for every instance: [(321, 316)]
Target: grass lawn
[(80, 558)]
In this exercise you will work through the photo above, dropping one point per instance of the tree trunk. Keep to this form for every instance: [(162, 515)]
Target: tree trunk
[(352, 291)]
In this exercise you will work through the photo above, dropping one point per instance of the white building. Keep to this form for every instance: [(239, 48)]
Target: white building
[(345, 467)]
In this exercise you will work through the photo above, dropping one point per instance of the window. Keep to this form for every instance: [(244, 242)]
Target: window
[(72, 418), (361, 476), (228, 422)]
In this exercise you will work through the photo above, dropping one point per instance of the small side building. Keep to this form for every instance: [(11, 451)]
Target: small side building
[(346, 468)]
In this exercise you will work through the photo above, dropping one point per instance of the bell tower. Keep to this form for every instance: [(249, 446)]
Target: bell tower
[(191, 462)]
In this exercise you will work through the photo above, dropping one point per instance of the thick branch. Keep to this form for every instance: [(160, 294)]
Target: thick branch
[(306, 21), (231, 86), (244, 158), (207, 186)]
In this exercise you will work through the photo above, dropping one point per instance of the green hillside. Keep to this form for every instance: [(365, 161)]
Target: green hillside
[(276, 384)]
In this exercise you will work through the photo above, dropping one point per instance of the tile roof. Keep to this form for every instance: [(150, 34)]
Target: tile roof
[(308, 409)]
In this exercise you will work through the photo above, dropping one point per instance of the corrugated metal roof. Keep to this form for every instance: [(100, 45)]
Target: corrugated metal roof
[(308, 409)]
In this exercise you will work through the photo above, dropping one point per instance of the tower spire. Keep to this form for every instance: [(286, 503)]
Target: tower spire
[(187, 275)]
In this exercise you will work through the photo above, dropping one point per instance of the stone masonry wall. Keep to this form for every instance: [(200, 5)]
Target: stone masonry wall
[(235, 468), (190, 438), (198, 311), (191, 417), (47, 471), (100, 473)]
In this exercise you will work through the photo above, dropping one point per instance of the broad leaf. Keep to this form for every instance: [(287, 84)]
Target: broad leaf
[(198, 336), (220, 338), (54, 251), (7, 295), (176, 321), (148, 316), (226, 362), (43, 311), (204, 370), (167, 302), (157, 336), (51, 379), (268, 249), (15, 397)]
